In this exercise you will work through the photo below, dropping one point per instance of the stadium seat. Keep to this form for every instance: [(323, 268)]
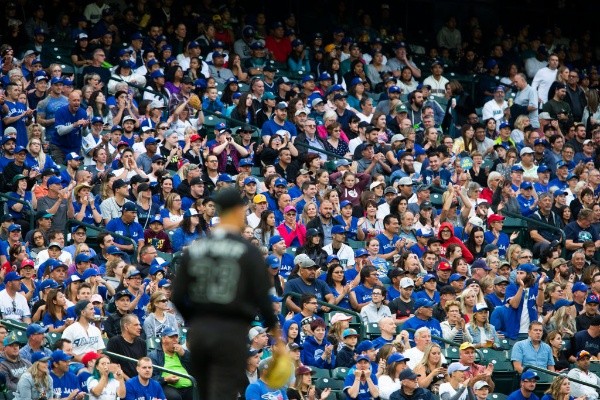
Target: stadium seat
[(152, 343), (451, 353), (334, 384), (320, 373), (52, 338), (372, 330), (356, 244), (339, 373), (504, 376), (436, 200), (492, 356), (165, 256), (291, 251), (497, 396)]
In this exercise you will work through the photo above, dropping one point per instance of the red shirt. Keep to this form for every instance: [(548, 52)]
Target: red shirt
[(281, 48)]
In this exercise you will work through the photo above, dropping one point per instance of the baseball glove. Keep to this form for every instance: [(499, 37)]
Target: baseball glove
[(195, 102)]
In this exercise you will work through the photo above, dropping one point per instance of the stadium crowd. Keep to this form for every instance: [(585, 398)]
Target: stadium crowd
[(378, 173)]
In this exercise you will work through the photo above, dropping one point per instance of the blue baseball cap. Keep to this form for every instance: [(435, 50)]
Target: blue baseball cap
[(274, 240), (39, 356), (480, 307), (280, 182), (225, 178), (157, 74), (360, 253), (112, 250), (429, 277), (89, 273), (97, 120), (396, 357), (275, 299), (56, 80), (14, 227), (136, 36), (504, 125), (34, 329), (116, 128), (562, 303), (308, 78), (363, 358), (456, 277), (561, 164), (82, 257), (345, 203), (169, 332), (150, 140), (515, 168), (244, 162), (332, 257), (164, 283), (542, 168), (592, 298), (526, 185), (273, 261), (364, 346), (338, 229), (59, 355), (54, 180), (528, 267), (48, 284), (529, 374), (425, 234), (324, 76), (12, 276), (422, 302)]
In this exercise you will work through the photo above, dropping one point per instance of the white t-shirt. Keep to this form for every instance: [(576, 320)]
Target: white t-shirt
[(542, 81), (387, 386), (253, 220), (491, 109), (416, 356), (109, 392), (16, 308), (84, 341), (446, 387)]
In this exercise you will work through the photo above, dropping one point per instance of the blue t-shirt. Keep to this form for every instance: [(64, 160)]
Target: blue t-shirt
[(444, 175), (133, 230), (48, 108), (270, 127), (16, 109), (136, 391), (502, 243), (260, 391), (287, 265), (526, 204), (353, 231), (386, 245), (363, 294), (517, 395), (88, 217), (69, 142), (363, 388), (64, 385), (18, 215), (318, 288)]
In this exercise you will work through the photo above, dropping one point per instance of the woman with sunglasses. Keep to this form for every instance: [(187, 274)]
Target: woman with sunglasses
[(159, 318), (292, 231)]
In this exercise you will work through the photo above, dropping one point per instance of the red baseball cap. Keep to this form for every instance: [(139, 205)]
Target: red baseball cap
[(495, 218), (444, 266), (195, 137)]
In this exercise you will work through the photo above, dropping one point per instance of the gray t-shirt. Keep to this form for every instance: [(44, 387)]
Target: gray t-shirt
[(59, 221)]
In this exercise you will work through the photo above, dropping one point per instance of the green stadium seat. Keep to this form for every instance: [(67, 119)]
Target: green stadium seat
[(356, 244), (339, 373), (436, 200), (165, 256), (152, 343), (372, 330), (504, 376), (492, 356), (497, 396), (52, 338), (319, 373), (334, 384), (291, 250), (451, 353)]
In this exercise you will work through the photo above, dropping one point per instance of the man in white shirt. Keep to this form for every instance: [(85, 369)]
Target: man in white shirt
[(339, 248), (534, 64), (259, 204), (496, 108), (13, 304), (583, 373), (422, 340), (84, 335), (544, 78), (436, 80)]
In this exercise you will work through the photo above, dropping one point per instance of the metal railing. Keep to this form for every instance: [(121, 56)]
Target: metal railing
[(25, 203), (191, 378), (73, 222), (535, 222), (555, 374), (332, 307)]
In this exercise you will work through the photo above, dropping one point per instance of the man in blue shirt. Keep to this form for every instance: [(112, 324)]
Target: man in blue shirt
[(532, 351), (307, 282), (423, 317), (361, 381), (524, 300), (436, 175), (69, 121), (259, 389), (527, 200), (127, 226), (277, 123), (64, 382), (286, 260), (389, 239), (142, 386), (528, 381)]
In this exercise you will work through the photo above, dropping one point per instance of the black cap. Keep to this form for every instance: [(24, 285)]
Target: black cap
[(138, 179), (196, 181), (142, 187), (119, 183), (433, 240), (447, 289), (228, 199)]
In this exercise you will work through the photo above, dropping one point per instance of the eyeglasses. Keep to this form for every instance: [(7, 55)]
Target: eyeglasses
[(376, 294), (85, 251), (38, 237), (160, 163), (290, 214)]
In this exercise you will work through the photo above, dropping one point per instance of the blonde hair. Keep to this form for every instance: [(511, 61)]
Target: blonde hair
[(425, 360)]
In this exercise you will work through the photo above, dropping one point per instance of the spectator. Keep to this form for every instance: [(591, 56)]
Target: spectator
[(105, 383), (84, 335), (527, 385), (422, 339), (36, 382), (35, 341), (12, 366), (174, 356), (142, 385), (65, 383), (375, 310), (159, 318), (582, 372), (317, 351), (409, 387), (128, 344), (467, 359), (361, 382), (532, 351), (259, 389)]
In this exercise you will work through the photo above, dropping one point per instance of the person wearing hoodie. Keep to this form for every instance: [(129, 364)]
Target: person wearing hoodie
[(290, 333), (317, 351), (446, 235)]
